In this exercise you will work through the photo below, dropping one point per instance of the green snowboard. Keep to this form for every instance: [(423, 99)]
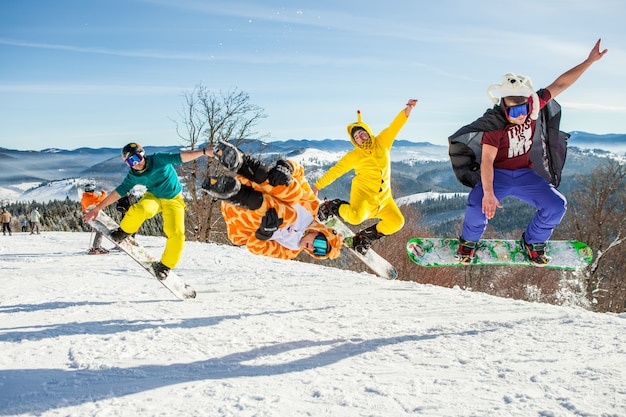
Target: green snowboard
[(565, 254)]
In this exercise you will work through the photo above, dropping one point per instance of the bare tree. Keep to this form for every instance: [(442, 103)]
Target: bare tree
[(597, 216), (209, 117)]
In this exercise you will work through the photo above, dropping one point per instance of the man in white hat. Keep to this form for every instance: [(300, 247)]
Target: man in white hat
[(505, 166)]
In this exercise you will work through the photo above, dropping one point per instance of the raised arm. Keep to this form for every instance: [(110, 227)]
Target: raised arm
[(568, 78), (191, 155)]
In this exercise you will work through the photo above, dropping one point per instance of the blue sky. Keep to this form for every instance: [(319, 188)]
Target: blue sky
[(101, 73)]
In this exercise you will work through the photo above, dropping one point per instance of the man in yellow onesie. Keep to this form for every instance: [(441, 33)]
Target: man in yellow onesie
[(370, 194)]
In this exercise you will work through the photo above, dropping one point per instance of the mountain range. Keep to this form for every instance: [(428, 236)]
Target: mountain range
[(417, 167)]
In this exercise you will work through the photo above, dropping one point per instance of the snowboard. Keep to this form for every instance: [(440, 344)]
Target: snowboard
[(376, 263), (105, 224), (565, 254)]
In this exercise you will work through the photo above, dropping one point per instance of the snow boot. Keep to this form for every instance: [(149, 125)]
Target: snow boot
[(119, 235), (362, 241), (222, 186), (230, 189), (236, 161), (228, 155), (160, 270), (329, 208), (535, 252), (466, 251)]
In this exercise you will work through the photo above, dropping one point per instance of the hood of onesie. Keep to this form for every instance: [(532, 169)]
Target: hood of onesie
[(335, 240), (352, 127)]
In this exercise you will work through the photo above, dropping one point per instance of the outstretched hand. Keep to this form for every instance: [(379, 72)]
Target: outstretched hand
[(595, 53), (409, 106)]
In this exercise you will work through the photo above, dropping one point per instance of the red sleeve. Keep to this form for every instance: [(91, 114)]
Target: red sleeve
[(492, 138), (544, 98)]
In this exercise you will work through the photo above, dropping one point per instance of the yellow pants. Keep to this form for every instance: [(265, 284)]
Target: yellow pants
[(173, 223), (366, 205)]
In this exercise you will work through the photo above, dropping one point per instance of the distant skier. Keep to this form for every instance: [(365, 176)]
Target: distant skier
[(89, 199), (270, 211), (6, 221), (35, 221), (370, 193), (505, 166), (163, 195)]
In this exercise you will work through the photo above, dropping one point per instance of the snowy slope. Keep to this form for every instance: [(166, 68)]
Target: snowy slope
[(429, 195), (85, 335)]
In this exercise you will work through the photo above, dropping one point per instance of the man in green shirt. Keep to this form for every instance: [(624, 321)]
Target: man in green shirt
[(163, 195)]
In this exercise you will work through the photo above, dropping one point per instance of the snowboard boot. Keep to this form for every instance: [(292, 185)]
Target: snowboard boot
[(230, 189), (329, 208), (362, 241), (281, 174), (228, 155), (466, 251), (236, 161), (535, 252), (118, 235), (161, 271), (222, 187)]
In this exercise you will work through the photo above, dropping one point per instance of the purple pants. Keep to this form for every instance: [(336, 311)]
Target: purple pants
[(523, 184)]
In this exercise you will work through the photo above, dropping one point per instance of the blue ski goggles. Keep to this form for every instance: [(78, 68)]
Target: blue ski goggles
[(320, 245), (519, 110), (134, 159)]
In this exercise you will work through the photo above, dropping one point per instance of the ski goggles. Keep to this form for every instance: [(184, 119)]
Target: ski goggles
[(320, 245), (134, 159), (518, 110)]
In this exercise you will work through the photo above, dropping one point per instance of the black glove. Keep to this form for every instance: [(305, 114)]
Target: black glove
[(281, 174), (269, 224)]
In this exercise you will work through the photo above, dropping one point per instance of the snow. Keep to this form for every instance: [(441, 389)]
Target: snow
[(429, 195), (312, 156), (408, 155), (86, 335), (26, 185)]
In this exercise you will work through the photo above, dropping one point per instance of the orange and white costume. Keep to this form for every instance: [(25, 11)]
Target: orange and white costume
[(294, 203)]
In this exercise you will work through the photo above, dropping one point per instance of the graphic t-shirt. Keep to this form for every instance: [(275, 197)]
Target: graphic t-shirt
[(514, 141)]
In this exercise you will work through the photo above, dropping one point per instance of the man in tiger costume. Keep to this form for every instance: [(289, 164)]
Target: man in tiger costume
[(272, 211)]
